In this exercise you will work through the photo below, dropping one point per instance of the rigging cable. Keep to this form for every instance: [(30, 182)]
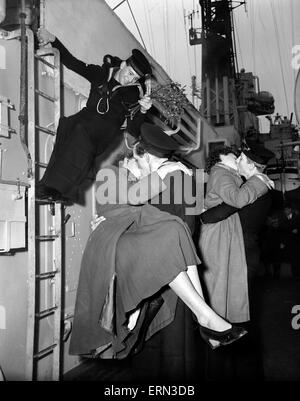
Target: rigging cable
[(118, 5), (168, 36), (279, 53), (195, 55), (264, 50), (186, 40), (293, 32), (175, 41), (234, 55), (195, 58), (158, 73), (149, 28), (165, 37), (238, 40), (136, 25), (252, 17)]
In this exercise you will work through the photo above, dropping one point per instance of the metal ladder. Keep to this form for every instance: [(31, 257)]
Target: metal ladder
[(38, 273)]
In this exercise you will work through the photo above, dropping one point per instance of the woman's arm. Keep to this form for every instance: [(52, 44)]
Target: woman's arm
[(142, 191), (153, 184), (230, 193), (217, 213), (116, 186)]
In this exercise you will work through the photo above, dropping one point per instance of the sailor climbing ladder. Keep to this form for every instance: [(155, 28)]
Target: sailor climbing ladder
[(45, 228)]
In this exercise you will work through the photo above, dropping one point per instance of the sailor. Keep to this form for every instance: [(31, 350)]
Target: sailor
[(116, 90)]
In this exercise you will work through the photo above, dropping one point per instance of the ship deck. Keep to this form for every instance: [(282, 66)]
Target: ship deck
[(279, 341)]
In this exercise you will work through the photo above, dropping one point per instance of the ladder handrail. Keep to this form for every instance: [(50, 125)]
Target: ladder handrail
[(31, 211), (34, 206)]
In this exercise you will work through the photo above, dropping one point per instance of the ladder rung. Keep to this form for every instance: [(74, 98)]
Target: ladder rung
[(40, 58), (46, 130), (51, 202), (40, 164), (45, 201), (46, 312), (44, 352), (49, 237), (43, 94), (44, 276), (7, 128)]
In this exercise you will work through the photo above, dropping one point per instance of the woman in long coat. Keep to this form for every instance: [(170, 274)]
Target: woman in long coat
[(137, 252), (222, 244)]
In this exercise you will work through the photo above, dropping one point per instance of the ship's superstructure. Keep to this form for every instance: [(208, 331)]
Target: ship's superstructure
[(232, 99), (41, 243)]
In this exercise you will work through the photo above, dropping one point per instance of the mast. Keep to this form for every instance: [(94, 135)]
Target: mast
[(230, 97), (219, 64), (218, 56)]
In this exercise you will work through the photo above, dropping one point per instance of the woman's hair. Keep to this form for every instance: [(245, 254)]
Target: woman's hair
[(140, 148), (121, 156), (214, 156)]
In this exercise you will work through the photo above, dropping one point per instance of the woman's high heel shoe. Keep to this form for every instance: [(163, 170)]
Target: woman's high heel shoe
[(223, 337)]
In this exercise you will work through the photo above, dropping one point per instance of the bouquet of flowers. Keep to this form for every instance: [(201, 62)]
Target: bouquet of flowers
[(172, 99)]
